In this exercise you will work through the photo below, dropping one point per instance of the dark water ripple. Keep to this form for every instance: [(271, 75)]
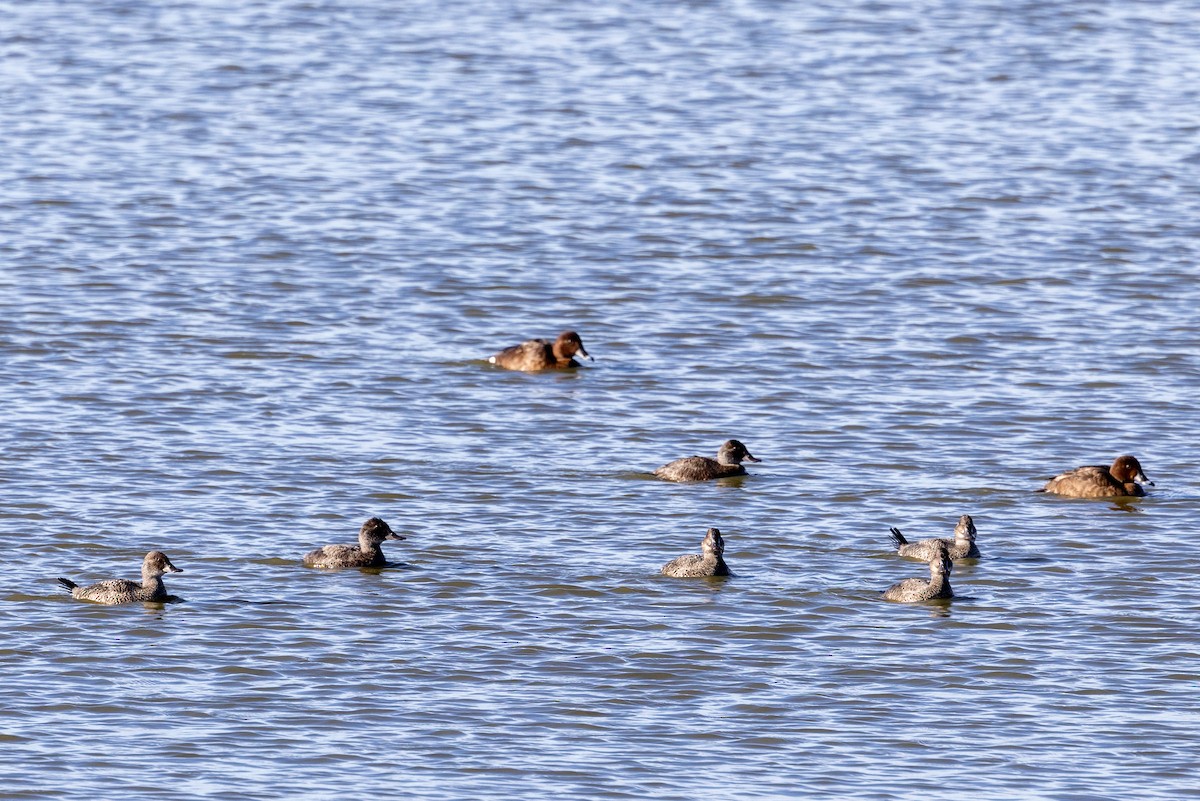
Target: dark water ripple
[(919, 257)]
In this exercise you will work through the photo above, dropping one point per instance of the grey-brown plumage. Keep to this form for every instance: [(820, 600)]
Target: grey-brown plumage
[(540, 354), (710, 562), (367, 553), (938, 586), (701, 468), (961, 546), (123, 591), (1123, 479)]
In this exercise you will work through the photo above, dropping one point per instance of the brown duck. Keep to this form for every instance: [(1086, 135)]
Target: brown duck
[(540, 354), (1125, 478)]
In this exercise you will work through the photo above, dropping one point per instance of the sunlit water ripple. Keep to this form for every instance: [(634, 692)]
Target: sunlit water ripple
[(919, 257)]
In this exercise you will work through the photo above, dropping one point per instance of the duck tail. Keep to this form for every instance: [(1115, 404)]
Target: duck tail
[(70, 585), (898, 538)]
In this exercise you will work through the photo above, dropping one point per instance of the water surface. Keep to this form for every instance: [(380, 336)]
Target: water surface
[(918, 257)]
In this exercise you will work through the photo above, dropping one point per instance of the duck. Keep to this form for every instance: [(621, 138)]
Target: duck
[(122, 591), (710, 562), (533, 355), (1125, 478), (962, 546), (915, 589), (701, 468), (367, 553)]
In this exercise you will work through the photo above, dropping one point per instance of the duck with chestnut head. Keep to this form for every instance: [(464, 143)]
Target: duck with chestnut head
[(1125, 478), (534, 355)]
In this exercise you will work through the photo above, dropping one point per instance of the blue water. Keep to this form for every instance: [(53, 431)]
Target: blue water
[(918, 257)]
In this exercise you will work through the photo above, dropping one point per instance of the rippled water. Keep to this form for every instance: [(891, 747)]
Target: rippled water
[(918, 256)]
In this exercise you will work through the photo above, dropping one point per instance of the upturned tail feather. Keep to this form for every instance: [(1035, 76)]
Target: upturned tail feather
[(898, 538), (70, 585)]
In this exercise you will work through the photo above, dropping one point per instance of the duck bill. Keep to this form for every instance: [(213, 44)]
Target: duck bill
[(585, 355), (750, 458), (394, 536), (1141, 479)]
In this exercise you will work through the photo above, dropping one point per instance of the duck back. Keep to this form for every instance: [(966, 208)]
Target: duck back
[(698, 468), (344, 556), (529, 356), (1092, 481)]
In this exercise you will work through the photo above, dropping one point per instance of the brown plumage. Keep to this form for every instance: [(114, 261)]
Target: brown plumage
[(1123, 479), (123, 591), (539, 354), (701, 468), (962, 546), (708, 563), (938, 586), (367, 553)]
